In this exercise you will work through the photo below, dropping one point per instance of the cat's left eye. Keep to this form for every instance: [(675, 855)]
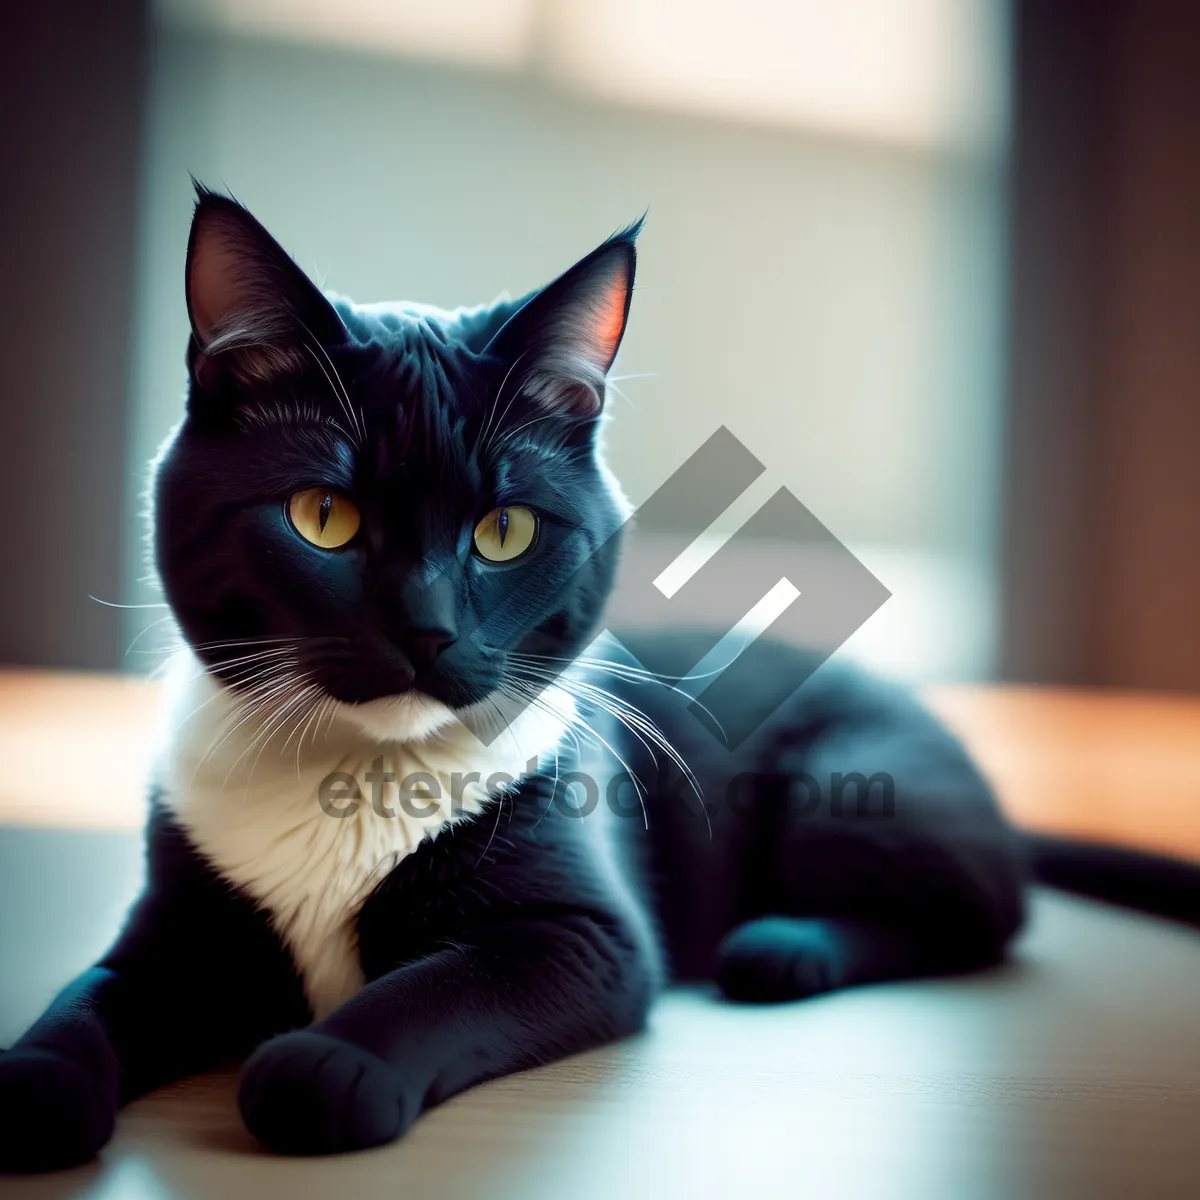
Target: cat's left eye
[(506, 533), (324, 517)]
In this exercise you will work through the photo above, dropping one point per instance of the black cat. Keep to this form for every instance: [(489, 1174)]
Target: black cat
[(405, 835)]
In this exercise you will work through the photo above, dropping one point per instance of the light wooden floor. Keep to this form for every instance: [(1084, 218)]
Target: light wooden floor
[(1072, 1073)]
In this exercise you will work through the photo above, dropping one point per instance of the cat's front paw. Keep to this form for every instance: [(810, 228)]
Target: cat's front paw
[(308, 1093), (54, 1112)]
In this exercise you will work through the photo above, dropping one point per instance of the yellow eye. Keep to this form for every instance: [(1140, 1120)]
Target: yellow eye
[(505, 533), (323, 517)]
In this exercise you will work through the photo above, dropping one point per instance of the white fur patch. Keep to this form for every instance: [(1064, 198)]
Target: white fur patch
[(251, 802)]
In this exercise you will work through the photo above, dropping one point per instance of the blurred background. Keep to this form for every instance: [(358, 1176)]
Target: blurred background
[(933, 261)]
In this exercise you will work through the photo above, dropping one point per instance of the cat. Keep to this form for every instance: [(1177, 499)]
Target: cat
[(411, 827)]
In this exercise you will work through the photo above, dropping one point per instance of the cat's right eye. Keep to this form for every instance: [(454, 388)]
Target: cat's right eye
[(505, 533), (324, 517)]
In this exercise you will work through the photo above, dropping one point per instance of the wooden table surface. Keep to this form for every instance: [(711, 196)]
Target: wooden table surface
[(1113, 766), (1071, 1072)]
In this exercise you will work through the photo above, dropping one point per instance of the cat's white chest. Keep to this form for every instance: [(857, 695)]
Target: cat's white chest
[(281, 822)]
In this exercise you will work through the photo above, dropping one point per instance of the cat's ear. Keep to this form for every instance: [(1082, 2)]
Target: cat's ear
[(254, 313), (562, 341)]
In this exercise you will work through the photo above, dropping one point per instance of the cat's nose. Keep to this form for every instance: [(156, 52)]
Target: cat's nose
[(424, 646)]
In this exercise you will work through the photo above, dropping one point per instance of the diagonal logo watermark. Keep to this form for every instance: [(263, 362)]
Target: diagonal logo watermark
[(734, 690)]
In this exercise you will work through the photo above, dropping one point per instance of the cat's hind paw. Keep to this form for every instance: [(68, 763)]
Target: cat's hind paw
[(308, 1093), (54, 1113), (779, 958)]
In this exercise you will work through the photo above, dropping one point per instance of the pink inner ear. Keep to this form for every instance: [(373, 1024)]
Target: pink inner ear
[(215, 293), (610, 319)]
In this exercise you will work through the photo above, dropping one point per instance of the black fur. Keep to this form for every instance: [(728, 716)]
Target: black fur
[(531, 931)]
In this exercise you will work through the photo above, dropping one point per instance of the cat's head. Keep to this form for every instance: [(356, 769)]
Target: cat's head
[(387, 502)]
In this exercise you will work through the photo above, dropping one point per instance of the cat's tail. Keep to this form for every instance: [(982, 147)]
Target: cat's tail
[(1151, 883)]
